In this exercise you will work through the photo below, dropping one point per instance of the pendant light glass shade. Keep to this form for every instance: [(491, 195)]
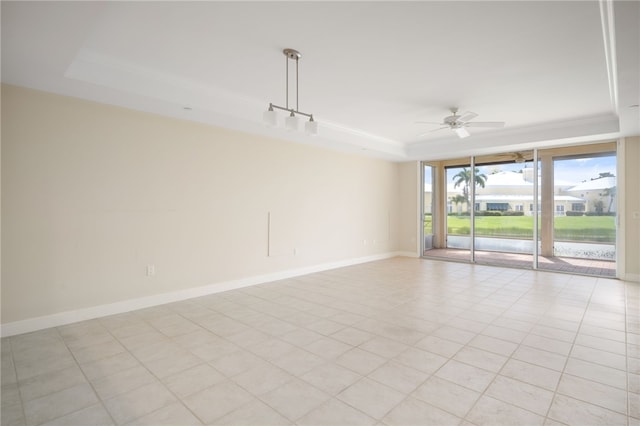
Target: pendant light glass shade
[(311, 127), (291, 122), (270, 117)]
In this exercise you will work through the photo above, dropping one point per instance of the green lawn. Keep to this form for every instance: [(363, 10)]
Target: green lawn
[(567, 228), (585, 228)]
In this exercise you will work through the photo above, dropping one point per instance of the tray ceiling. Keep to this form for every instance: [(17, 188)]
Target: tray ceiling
[(555, 72)]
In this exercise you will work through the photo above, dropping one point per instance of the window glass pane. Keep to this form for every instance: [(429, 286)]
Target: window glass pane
[(427, 206), (501, 222), (458, 207), (583, 227)]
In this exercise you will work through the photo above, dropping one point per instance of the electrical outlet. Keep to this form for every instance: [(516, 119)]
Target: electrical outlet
[(151, 270)]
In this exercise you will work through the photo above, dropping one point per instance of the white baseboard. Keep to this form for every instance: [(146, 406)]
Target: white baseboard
[(69, 317), (407, 254), (632, 277)]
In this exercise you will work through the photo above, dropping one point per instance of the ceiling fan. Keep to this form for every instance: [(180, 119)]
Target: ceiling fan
[(459, 123), (516, 157)]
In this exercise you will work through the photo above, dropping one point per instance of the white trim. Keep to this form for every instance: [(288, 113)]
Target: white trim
[(407, 254), (632, 277), (68, 317), (621, 217), (609, 40), (420, 222)]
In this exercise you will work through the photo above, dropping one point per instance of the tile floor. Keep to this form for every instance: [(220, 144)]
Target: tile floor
[(395, 342)]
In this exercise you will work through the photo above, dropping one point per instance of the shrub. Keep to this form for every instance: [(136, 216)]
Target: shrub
[(574, 213), (512, 213)]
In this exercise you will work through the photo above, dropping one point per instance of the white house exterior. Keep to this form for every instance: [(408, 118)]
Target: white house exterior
[(513, 191), (599, 194)]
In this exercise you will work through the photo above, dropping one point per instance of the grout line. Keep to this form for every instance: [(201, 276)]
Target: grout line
[(555, 392), (143, 365), (86, 378), (510, 357), (626, 353), (15, 371)]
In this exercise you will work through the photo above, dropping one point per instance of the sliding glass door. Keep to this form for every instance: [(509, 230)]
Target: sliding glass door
[(582, 217), (491, 209), (503, 216)]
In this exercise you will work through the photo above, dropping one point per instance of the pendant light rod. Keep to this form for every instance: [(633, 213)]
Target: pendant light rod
[(294, 55), (286, 80), (295, 111)]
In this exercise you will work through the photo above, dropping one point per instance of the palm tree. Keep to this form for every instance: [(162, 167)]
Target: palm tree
[(611, 193), (459, 199), (464, 177)]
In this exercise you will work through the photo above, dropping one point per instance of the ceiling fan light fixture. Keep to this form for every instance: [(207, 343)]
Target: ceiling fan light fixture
[(292, 121), (459, 123), (461, 132)]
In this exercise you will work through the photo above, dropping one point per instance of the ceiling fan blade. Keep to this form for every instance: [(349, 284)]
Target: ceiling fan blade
[(427, 122), (461, 132), (467, 116), (431, 131), (485, 124)]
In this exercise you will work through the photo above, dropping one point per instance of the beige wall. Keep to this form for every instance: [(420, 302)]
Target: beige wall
[(631, 205), (92, 194)]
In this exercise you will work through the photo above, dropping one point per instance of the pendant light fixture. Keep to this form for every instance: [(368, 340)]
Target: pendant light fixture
[(291, 122)]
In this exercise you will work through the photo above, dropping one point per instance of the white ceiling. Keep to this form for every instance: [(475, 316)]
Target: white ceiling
[(555, 72)]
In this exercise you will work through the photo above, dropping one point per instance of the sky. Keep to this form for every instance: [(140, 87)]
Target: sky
[(570, 171), (582, 169)]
